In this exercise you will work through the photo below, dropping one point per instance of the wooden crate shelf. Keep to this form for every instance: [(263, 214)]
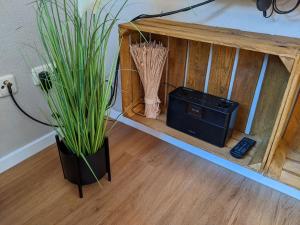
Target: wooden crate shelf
[(261, 72)]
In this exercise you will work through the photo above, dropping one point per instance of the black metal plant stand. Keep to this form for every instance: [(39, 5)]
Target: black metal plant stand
[(75, 169)]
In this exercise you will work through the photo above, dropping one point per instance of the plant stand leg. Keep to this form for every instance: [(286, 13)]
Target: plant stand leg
[(58, 145), (80, 191), (79, 180), (107, 159)]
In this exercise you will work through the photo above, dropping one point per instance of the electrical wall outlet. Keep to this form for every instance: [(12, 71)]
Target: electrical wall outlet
[(3, 85), (39, 69)]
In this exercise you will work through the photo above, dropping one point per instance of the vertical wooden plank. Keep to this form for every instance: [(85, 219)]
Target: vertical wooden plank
[(176, 63), (292, 134), (221, 69), (137, 87), (197, 65), (277, 164), (125, 68), (273, 89), (162, 92), (247, 74), (288, 146), (286, 108), (272, 92)]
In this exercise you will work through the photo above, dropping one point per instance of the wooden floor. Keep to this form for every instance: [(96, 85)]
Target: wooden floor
[(153, 183)]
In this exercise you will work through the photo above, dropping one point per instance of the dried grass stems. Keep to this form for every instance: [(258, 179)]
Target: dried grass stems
[(150, 59)]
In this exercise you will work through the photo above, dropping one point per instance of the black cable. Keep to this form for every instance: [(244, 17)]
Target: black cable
[(279, 11), (113, 97), (275, 8), (146, 16), (271, 13), (9, 85)]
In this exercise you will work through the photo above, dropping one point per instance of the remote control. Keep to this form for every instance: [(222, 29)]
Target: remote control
[(240, 150)]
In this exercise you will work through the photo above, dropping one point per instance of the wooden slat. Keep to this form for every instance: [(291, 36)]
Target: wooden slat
[(284, 112), (247, 74), (286, 159), (221, 69), (288, 165), (137, 87), (292, 134), (125, 66), (290, 179), (271, 96), (162, 92), (277, 164), (197, 66), (294, 155), (293, 102), (292, 166), (288, 62), (271, 44), (176, 63), (255, 167)]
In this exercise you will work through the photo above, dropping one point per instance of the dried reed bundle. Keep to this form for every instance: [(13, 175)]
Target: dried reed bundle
[(150, 59)]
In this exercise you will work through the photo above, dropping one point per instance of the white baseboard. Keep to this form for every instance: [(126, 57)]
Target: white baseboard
[(26, 151), (276, 185)]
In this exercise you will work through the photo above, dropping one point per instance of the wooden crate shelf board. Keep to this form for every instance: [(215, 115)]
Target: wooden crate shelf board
[(271, 44), (160, 125), (225, 62)]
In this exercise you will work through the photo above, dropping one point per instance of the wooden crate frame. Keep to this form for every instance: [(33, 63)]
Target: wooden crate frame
[(178, 37)]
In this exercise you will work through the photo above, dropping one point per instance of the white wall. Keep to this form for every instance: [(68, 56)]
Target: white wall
[(17, 29), (18, 26), (238, 14)]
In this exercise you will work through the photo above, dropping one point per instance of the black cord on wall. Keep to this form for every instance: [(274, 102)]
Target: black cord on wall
[(113, 96), (9, 87)]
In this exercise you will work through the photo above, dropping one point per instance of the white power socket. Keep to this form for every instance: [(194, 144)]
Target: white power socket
[(37, 70), (3, 87)]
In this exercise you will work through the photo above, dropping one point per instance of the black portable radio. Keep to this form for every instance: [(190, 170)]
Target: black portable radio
[(201, 115)]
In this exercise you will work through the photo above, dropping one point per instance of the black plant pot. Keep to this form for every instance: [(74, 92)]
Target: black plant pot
[(77, 171)]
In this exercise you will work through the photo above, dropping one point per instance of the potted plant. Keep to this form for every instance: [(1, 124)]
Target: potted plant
[(76, 50)]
